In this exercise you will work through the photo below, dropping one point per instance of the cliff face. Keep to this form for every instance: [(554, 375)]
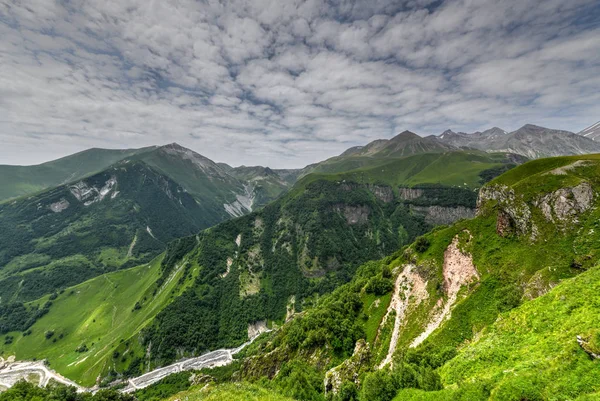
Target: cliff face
[(441, 215), (561, 207)]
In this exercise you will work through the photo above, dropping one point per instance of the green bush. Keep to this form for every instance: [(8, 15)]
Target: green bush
[(422, 244)]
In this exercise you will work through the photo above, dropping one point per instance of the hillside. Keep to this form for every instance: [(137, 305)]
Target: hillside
[(120, 217), (276, 261), (441, 313), (93, 321), (379, 152), (16, 181)]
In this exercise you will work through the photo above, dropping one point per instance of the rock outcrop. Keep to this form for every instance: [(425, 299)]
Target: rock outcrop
[(350, 369), (565, 204), (442, 215), (354, 214), (513, 213)]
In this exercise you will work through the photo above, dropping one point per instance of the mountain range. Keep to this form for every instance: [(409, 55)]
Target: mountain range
[(530, 141), (440, 267)]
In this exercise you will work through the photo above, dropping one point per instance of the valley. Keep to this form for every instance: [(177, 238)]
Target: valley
[(372, 273)]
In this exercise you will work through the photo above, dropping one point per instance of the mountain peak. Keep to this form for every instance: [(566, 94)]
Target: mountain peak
[(405, 135), (174, 145), (591, 132)]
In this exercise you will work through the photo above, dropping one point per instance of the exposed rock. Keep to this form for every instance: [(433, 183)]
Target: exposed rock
[(382, 192), (514, 215), (565, 204), (59, 206), (350, 369), (458, 271), (438, 215), (585, 346), (257, 328), (354, 214), (504, 224), (88, 195), (409, 290), (243, 202), (410, 193)]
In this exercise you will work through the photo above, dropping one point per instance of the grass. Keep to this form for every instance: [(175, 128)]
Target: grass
[(530, 352), (428, 168), (374, 310), (229, 392), (98, 314)]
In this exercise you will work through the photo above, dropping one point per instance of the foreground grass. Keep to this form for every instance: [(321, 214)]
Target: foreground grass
[(229, 392), (531, 353)]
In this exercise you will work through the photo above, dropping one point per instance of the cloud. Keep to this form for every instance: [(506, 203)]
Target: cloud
[(286, 82)]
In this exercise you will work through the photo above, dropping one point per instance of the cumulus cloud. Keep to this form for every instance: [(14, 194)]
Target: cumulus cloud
[(287, 82)]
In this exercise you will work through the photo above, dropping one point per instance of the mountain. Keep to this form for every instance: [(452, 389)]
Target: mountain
[(378, 152), (500, 307), (120, 217), (404, 144), (592, 132), (530, 141), (225, 282), (18, 181), (268, 184)]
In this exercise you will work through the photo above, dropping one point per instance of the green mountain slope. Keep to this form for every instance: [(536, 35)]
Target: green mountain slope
[(301, 246), (120, 217), (272, 263), (268, 184), (94, 324), (379, 152), (447, 321), (18, 181), (468, 169)]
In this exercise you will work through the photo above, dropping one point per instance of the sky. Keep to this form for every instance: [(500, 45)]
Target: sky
[(286, 83)]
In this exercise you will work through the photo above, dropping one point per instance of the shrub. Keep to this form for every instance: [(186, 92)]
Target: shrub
[(422, 244)]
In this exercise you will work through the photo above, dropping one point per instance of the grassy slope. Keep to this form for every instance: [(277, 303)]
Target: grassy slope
[(531, 352), (97, 313), (18, 181), (229, 392), (43, 251), (512, 269), (450, 168)]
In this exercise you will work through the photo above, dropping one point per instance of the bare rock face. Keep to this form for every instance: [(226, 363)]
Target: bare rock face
[(514, 214), (382, 192), (439, 215), (504, 224), (410, 193), (354, 214), (59, 206), (565, 204), (350, 369)]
